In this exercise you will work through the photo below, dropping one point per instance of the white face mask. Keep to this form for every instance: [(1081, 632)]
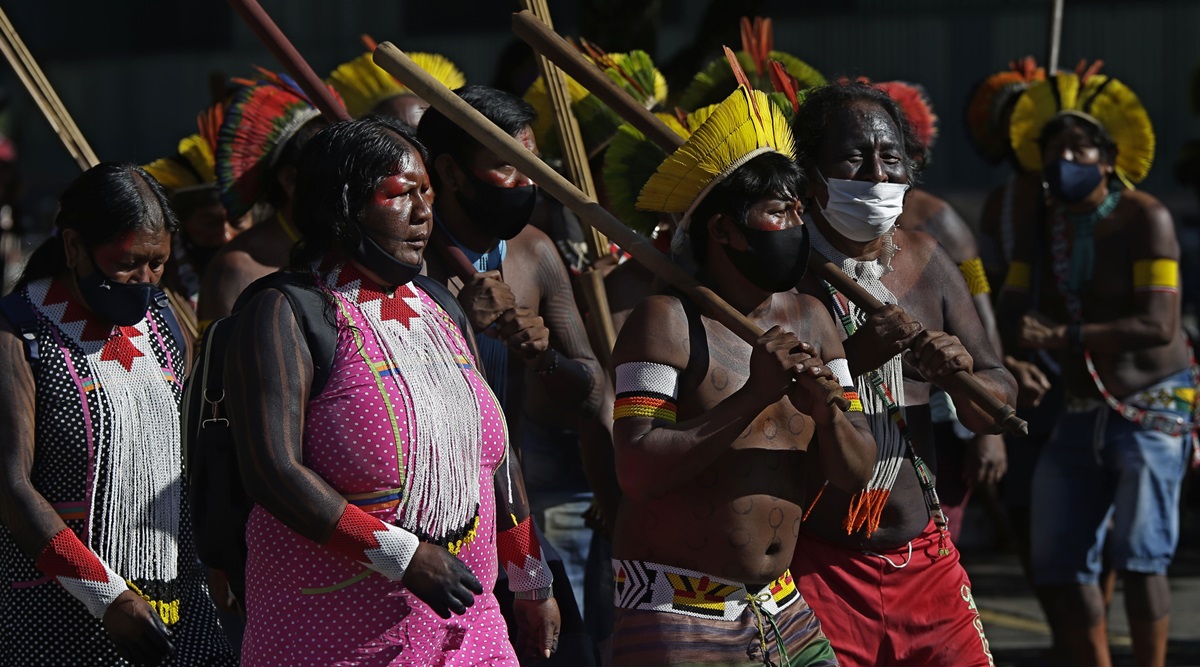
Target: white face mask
[(862, 210)]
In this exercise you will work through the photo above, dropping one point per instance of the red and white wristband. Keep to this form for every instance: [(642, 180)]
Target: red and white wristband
[(81, 572), (529, 576), (385, 548)]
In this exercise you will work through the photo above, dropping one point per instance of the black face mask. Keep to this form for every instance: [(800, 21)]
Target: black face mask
[(774, 261), (501, 213), (1071, 183), (382, 263), (122, 304)]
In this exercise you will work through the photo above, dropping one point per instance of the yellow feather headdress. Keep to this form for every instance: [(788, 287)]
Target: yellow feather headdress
[(634, 72), (1098, 98), (191, 167), (739, 129), (363, 84)]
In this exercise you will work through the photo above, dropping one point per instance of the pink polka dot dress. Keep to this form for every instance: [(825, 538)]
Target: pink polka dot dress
[(306, 604)]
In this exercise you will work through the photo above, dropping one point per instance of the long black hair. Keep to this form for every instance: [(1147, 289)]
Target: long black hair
[(338, 171), (812, 122), (104, 204)]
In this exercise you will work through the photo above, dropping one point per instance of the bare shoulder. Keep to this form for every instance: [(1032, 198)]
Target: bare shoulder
[(1147, 225), (916, 248), (533, 244), (657, 331)]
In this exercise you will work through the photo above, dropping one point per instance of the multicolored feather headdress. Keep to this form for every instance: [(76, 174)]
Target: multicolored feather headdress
[(747, 124), (914, 101), (192, 166), (1097, 98), (363, 84), (992, 99), (261, 118), (715, 81), (634, 72)]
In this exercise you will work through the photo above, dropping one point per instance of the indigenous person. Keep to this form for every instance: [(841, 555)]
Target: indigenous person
[(97, 556), (190, 179), (265, 127), (1108, 481), (532, 341), (366, 88), (879, 567), (710, 432), (385, 502), (964, 459)]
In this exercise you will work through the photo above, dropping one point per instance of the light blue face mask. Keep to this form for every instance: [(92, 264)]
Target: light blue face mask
[(862, 210)]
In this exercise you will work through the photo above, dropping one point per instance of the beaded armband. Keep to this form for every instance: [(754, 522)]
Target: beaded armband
[(522, 557), (382, 547), (841, 372), (1156, 275), (646, 389), (1019, 278), (972, 271), (81, 572)]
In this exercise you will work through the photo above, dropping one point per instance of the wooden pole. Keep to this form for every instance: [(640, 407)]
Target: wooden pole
[(575, 157), (399, 65), (559, 51), (47, 101), (287, 55), (1054, 39)]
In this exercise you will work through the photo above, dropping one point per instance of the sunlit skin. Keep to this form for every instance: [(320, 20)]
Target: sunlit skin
[(400, 214), (935, 315), (407, 107)]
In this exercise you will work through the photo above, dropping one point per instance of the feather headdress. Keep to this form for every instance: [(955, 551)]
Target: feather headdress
[(630, 161), (634, 72), (261, 118), (363, 84), (192, 166), (992, 99), (1098, 98), (914, 101), (745, 125), (716, 81)]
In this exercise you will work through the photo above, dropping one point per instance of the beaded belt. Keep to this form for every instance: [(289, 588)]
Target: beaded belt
[(654, 587)]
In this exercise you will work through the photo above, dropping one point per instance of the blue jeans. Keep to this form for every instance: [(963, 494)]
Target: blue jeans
[(1098, 467)]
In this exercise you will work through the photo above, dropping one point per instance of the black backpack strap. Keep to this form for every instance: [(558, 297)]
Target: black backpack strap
[(168, 314), (24, 320), (314, 314)]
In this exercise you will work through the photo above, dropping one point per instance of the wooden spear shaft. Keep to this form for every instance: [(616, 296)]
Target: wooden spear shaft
[(1054, 37), (591, 282), (281, 47), (407, 72), (548, 43)]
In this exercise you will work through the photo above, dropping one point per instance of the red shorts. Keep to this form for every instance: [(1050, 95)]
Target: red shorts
[(876, 614)]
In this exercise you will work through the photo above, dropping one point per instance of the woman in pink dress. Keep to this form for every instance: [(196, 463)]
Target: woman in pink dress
[(386, 501)]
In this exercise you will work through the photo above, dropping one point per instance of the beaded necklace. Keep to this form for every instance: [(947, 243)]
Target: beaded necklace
[(924, 475), (1169, 424)]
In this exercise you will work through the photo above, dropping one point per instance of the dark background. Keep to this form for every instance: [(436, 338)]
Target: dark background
[(134, 73)]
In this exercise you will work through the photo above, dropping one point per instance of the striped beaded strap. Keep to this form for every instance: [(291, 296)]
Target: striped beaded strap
[(972, 271), (646, 389), (924, 476)]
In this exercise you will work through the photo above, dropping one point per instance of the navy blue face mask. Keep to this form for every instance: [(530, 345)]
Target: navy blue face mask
[(1071, 183), (122, 304)]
